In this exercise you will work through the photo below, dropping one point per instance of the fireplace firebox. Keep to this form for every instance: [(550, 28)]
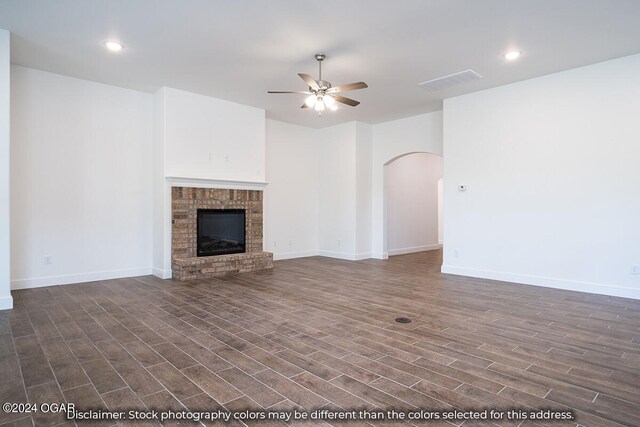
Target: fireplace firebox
[(221, 231)]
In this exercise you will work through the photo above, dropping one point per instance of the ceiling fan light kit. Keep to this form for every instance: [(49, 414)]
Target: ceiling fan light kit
[(321, 95)]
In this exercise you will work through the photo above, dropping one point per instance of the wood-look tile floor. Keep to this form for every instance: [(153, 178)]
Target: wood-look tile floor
[(320, 333)]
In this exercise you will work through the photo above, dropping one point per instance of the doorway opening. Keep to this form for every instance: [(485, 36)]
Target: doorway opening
[(413, 203)]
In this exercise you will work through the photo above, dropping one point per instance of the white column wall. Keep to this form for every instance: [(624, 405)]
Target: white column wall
[(5, 229), (418, 134)]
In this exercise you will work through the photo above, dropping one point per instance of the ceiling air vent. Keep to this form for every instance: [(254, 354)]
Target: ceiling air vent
[(451, 80)]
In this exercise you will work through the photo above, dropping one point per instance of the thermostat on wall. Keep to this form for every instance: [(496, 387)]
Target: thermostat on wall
[(462, 188)]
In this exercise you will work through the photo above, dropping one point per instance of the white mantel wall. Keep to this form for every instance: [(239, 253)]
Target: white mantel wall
[(208, 138), (551, 167), (200, 141)]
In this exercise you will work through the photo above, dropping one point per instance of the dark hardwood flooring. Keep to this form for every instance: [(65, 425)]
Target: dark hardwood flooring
[(320, 333)]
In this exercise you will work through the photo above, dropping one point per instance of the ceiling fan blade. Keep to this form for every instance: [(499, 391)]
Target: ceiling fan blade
[(309, 80), (350, 86), (296, 91), (345, 100)]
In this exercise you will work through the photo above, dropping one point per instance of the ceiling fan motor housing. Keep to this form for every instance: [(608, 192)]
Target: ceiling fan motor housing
[(323, 84)]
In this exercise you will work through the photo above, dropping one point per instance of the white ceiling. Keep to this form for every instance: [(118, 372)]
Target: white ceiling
[(238, 49)]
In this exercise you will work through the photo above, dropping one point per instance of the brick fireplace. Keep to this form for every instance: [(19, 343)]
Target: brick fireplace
[(185, 202)]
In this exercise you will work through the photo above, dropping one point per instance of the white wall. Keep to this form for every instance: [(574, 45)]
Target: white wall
[(291, 226), (161, 206), (81, 180), (440, 211), (348, 163), (318, 200), (337, 190), (209, 138), (551, 166), (411, 185), (5, 273), (421, 133), (364, 163)]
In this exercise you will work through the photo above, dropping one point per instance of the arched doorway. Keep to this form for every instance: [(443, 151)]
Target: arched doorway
[(413, 203)]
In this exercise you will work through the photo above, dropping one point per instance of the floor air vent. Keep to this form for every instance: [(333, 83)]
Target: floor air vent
[(451, 80)]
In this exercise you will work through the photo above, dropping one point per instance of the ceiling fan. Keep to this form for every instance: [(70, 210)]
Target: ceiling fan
[(321, 94)]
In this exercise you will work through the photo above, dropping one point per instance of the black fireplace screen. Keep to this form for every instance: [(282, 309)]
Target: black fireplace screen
[(221, 231)]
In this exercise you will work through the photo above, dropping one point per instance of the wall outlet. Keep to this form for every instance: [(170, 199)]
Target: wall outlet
[(290, 242), (48, 259), (210, 156), (635, 269), (339, 242), (275, 244), (456, 253)]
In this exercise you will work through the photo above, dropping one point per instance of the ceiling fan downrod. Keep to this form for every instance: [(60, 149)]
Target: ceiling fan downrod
[(320, 57)]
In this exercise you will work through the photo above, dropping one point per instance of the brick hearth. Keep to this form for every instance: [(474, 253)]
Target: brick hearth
[(185, 202)]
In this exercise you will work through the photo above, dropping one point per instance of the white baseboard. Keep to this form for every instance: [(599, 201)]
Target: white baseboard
[(378, 255), (413, 249), (162, 274), (344, 255), (363, 255), (6, 303), (547, 282), (291, 255), (67, 279), (330, 254)]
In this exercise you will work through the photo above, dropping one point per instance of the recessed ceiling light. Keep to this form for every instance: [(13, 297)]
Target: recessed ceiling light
[(512, 55), (114, 46)]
